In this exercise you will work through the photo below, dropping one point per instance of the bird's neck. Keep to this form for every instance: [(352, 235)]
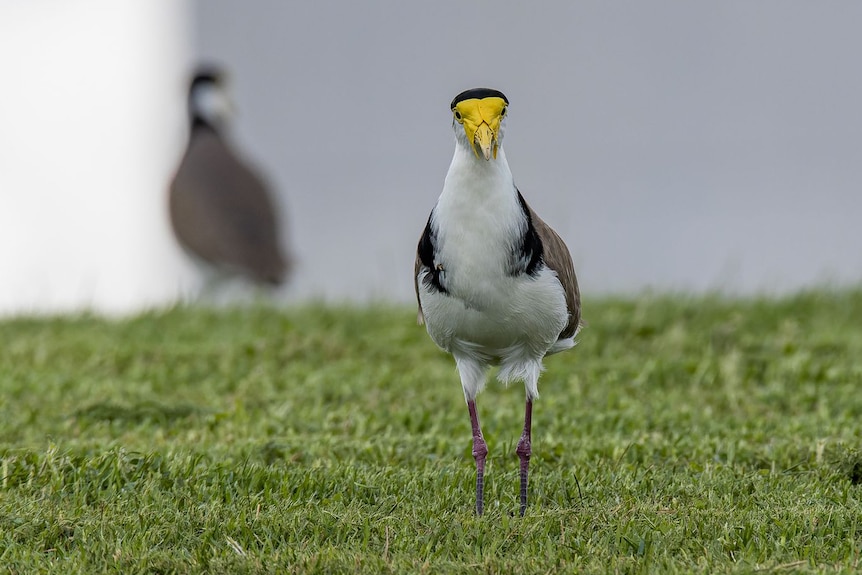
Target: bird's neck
[(478, 219), (479, 205), (474, 179), (199, 122)]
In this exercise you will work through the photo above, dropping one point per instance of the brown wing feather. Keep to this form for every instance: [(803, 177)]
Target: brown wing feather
[(556, 256)]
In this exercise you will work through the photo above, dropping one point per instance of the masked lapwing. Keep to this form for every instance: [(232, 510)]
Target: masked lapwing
[(220, 208), (495, 284)]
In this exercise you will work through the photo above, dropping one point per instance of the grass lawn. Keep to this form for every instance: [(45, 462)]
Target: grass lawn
[(682, 434)]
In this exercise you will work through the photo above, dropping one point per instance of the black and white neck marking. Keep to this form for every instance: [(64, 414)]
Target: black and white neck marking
[(528, 256), (209, 104)]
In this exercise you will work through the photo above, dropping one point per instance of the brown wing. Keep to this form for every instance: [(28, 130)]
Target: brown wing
[(222, 212), (556, 256)]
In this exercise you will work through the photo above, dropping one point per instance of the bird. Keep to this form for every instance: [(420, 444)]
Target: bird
[(494, 283), (221, 210)]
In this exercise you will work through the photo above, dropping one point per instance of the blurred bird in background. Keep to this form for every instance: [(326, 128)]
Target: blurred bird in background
[(220, 208)]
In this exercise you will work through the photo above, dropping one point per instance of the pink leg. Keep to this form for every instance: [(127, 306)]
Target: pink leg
[(524, 449), (480, 450)]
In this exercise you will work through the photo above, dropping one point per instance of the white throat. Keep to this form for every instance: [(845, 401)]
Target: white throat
[(211, 103), (472, 178)]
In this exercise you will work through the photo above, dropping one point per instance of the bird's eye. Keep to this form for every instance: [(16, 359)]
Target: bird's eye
[(503, 113), (458, 115)]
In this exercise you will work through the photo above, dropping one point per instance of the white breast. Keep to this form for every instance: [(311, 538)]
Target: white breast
[(488, 314)]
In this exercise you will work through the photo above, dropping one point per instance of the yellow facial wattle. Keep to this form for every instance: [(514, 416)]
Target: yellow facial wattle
[(481, 120)]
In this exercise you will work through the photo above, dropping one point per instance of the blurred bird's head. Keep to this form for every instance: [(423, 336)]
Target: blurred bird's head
[(209, 102), (479, 120)]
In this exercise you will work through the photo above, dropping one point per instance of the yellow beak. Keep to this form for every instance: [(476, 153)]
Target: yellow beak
[(483, 139)]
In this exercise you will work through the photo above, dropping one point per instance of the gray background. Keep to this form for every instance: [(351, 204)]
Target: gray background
[(673, 144)]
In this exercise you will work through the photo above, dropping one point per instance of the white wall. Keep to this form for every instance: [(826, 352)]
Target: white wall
[(91, 122)]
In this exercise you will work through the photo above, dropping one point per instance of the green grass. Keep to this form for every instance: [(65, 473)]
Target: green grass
[(682, 434)]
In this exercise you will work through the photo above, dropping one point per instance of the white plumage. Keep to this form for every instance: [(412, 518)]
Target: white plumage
[(488, 315)]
